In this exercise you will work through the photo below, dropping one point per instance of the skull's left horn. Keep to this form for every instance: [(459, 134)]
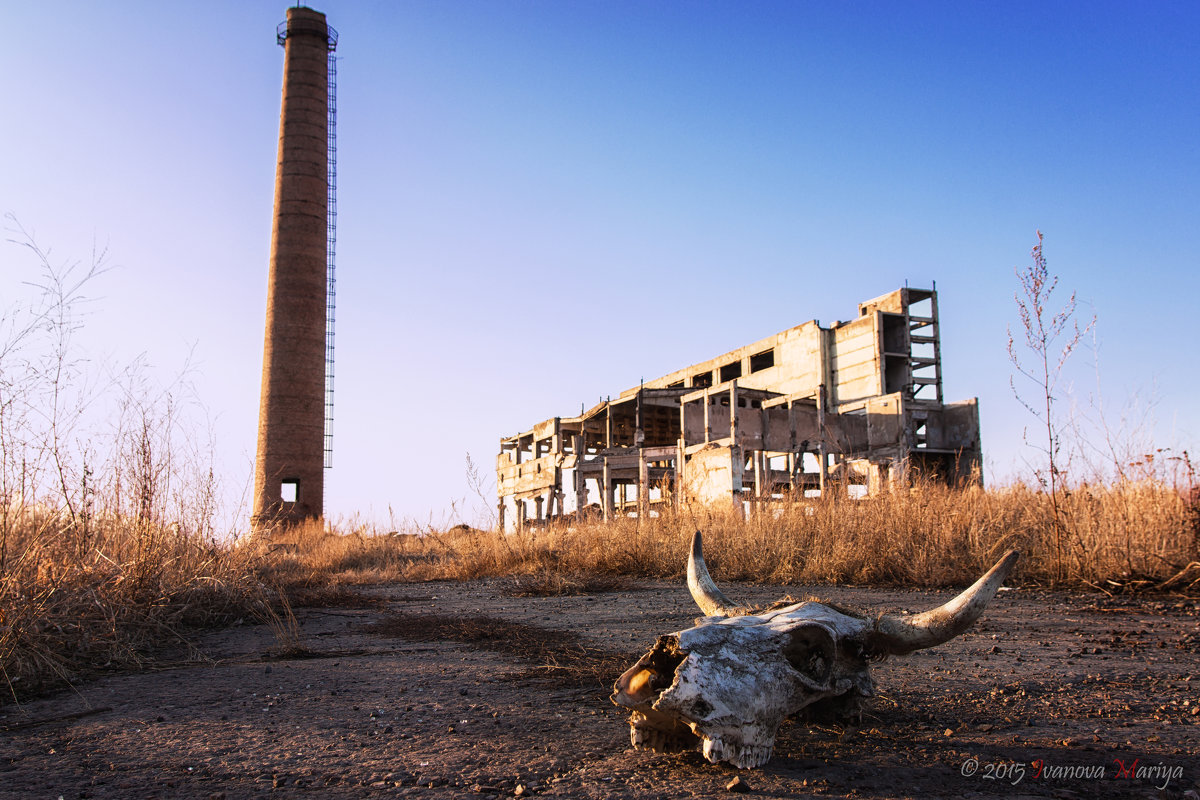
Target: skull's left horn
[(706, 594), (900, 635)]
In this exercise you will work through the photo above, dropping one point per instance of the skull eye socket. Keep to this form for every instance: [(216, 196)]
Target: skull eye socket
[(811, 652), (665, 657), (652, 674)]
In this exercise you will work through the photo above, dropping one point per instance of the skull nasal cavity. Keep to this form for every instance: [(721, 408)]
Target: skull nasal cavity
[(811, 651)]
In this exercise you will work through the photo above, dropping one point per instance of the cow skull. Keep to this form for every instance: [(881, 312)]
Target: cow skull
[(725, 685)]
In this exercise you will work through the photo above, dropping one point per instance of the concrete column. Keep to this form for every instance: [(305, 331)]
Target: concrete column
[(580, 489), (682, 422), (707, 419), (639, 435), (737, 468), (733, 412), (822, 435), (758, 474), (795, 460), (643, 487), (680, 466), (606, 492)]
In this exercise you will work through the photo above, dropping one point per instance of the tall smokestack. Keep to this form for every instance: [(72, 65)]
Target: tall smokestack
[(289, 480)]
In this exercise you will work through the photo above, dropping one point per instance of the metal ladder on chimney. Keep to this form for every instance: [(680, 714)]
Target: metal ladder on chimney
[(331, 251)]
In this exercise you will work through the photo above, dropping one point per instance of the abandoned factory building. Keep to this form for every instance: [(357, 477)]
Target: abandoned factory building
[(854, 407)]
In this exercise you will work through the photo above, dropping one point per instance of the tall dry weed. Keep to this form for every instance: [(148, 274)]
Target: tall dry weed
[(109, 546)]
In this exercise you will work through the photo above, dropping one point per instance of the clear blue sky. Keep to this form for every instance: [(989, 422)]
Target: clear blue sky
[(542, 202)]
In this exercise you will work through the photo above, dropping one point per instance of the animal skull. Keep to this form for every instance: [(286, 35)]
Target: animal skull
[(725, 685)]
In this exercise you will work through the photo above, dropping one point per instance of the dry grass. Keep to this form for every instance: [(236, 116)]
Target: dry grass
[(76, 598), (1130, 536), (112, 595)]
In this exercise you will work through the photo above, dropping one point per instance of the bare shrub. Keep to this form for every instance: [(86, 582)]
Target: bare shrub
[(1050, 339), (109, 554)]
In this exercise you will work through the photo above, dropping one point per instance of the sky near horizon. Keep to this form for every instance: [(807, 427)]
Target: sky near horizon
[(541, 203)]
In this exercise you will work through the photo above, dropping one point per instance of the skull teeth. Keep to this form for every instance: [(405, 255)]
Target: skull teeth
[(657, 740), (743, 757)]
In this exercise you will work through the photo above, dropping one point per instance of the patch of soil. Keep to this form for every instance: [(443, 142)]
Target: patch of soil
[(459, 690), (552, 584), (320, 596), (557, 658)]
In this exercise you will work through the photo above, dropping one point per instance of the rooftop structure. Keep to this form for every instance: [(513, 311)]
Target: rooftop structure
[(857, 406)]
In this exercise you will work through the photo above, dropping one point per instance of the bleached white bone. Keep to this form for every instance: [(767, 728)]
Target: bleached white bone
[(724, 686)]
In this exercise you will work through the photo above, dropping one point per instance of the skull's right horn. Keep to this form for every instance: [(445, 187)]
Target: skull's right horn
[(899, 635)]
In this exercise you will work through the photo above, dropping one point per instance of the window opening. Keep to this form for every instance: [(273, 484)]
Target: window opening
[(763, 360)]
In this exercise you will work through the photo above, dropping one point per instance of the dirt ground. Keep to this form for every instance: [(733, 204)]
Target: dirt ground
[(462, 690)]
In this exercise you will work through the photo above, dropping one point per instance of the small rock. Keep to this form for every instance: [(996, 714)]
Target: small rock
[(520, 791), (985, 727), (737, 785), (948, 732)]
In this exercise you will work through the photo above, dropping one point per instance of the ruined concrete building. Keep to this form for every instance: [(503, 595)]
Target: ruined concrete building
[(857, 406)]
